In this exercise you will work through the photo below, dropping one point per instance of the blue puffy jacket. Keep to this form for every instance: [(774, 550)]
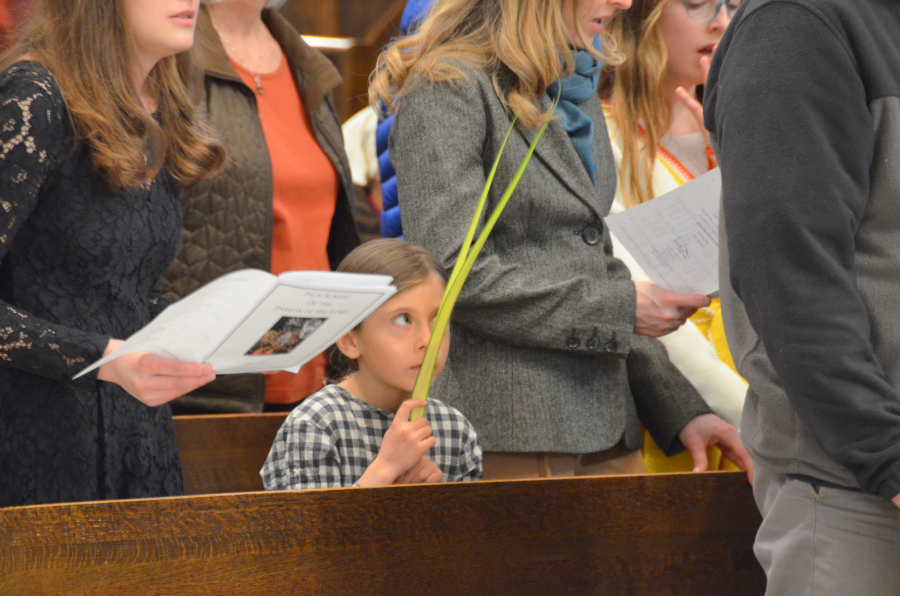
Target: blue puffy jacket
[(391, 226)]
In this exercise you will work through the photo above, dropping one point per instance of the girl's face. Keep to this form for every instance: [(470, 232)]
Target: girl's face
[(390, 345), (589, 16), (160, 28), (687, 41)]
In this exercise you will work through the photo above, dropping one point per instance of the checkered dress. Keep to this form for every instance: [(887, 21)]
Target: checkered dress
[(332, 437)]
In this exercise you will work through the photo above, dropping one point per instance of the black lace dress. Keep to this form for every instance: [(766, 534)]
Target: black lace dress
[(78, 265)]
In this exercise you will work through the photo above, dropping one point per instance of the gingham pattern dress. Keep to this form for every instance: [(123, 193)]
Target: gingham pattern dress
[(332, 437)]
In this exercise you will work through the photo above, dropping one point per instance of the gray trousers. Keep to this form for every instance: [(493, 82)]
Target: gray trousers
[(825, 541)]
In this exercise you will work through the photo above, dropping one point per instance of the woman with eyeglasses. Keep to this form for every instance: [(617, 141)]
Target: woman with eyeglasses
[(655, 123)]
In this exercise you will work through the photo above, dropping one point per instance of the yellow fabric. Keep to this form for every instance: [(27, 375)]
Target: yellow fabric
[(717, 336), (709, 321), (703, 318)]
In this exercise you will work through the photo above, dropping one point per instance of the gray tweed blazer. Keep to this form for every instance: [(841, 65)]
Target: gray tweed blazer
[(542, 354)]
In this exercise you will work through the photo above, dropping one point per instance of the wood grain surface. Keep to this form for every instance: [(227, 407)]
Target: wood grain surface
[(675, 534), (224, 453), (371, 23)]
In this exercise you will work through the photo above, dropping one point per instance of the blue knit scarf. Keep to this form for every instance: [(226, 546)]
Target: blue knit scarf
[(577, 89)]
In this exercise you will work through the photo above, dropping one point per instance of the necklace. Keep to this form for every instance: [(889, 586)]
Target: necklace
[(259, 87)]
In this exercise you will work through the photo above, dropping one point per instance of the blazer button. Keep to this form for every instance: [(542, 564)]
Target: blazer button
[(593, 344), (591, 235), (573, 342), (612, 346)]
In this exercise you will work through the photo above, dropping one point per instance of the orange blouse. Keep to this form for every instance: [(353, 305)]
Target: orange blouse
[(304, 196)]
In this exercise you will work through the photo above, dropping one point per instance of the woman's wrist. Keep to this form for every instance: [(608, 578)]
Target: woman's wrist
[(105, 372), (111, 346)]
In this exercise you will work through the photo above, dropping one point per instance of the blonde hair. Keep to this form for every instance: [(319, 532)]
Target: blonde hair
[(635, 92), (87, 47), (408, 264), (516, 42)]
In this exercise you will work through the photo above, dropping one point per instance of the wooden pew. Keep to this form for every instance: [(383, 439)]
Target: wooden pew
[(369, 23), (224, 453), (682, 534)]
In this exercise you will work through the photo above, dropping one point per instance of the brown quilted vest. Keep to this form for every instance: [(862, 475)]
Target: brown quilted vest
[(228, 220)]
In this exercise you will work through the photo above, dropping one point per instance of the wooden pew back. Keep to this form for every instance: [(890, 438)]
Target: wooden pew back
[(224, 453), (641, 535)]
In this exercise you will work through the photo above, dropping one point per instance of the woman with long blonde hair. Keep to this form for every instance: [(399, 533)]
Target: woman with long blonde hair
[(99, 138), (656, 127), (553, 360)]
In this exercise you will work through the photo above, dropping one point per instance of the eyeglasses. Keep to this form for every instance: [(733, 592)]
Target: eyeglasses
[(706, 10)]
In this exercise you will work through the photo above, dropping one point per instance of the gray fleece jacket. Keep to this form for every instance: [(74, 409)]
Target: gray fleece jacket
[(803, 103)]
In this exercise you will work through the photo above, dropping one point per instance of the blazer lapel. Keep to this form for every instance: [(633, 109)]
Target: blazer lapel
[(556, 151)]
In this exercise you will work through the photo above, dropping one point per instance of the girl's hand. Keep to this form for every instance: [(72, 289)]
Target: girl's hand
[(660, 311), (152, 379), (425, 471), (691, 103), (404, 444)]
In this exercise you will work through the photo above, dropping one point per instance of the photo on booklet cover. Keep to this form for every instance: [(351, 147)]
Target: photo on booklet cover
[(285, 335)]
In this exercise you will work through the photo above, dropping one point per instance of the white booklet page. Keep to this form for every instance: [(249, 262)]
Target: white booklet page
[(252, 321), (675, 237)]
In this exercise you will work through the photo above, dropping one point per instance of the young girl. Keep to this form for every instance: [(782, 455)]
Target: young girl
[(658, 140), (553, 359), (98, 138), (357, 432)]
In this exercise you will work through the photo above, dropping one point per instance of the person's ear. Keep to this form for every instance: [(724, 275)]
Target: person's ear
[(348, 346)]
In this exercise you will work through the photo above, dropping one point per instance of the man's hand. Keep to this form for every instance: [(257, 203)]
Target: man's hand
[(660, 311), (152, 379), (896, 500), (707, 430)]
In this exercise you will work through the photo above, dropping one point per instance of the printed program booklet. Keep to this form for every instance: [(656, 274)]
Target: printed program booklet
[(252, 321)]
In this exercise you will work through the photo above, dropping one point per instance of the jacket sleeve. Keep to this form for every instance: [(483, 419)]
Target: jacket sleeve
[(437, 147), (795, 143), (664, 398)]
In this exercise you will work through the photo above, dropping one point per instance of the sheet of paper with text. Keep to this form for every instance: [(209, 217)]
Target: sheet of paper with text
[(675, 237)]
